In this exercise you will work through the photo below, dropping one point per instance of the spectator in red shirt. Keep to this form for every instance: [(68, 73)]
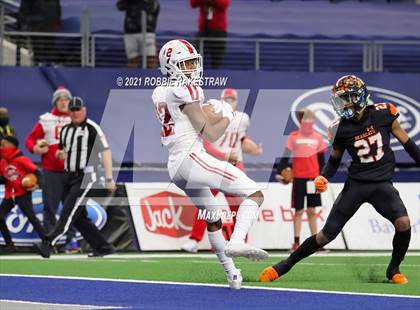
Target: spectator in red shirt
[(43, 140), (212, 23), (306, 148), (13, 168)]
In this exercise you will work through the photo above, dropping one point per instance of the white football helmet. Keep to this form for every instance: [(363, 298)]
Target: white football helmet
[(172, 59)]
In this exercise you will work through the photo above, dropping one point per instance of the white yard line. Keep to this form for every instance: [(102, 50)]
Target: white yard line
[(55, 305), (187, 255), (209, 285)]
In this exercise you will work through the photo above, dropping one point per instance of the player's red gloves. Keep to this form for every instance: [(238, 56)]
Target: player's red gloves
[(321, 184)]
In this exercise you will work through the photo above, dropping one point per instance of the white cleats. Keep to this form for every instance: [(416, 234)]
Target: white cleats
[(235, 279), (191, 246), (245, 250)]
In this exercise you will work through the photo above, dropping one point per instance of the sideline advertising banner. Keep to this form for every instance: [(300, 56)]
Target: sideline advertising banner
[(22, 231), (163, 218)]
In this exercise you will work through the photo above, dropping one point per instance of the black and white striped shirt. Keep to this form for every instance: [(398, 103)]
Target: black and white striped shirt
[(83, 145)]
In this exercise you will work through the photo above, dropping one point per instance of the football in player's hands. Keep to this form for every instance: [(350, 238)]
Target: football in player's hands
[(217, 105), (212, 116), (285, 176), (321, 184), (30, 182)]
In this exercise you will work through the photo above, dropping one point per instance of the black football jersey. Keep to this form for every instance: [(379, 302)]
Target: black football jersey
[(368, 142)]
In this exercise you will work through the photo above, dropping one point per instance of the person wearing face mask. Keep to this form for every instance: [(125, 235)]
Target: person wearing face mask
[(13, 168), (5, 128), (43, 140), (364, 130), (306, 147)]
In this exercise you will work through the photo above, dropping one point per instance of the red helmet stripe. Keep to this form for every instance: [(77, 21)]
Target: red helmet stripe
[(188, 45)]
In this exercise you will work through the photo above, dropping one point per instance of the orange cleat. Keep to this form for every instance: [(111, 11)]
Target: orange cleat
[(399, 278), (269, 274)]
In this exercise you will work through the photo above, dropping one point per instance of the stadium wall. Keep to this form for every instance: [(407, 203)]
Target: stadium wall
[(160, 218), (120, 99)]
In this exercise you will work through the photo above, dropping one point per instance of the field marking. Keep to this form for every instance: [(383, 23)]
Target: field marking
[(187, 255), (83, 307), (310, 264), (209, 285)]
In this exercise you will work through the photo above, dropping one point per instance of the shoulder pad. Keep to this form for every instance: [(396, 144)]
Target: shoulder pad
[(158, 94), (392, 109), (188, 93), (243, 117), (46, 116)]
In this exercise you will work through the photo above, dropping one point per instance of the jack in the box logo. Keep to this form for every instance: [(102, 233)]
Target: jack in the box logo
[(168, 214)]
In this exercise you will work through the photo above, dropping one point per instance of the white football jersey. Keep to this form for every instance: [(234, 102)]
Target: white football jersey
[(178, 134), (51, 125), (235, 132)]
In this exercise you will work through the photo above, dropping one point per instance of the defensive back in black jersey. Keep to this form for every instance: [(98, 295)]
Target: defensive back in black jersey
[(368, 142)]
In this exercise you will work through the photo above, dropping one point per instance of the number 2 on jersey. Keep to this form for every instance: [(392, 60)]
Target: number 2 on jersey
[(166, 119), (364, 146)]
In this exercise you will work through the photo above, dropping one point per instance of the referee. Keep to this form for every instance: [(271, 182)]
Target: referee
[(82, 145)]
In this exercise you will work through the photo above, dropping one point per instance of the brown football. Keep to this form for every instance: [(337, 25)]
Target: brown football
[(29, 181), (287, 174)]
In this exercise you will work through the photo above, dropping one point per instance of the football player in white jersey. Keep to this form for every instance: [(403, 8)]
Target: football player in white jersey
[(229, 147), (179, 109)]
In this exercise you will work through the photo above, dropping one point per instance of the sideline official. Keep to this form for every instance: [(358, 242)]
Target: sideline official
[(82, 146)]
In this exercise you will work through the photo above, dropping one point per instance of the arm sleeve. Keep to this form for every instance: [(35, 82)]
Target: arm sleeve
[(331, 167), (213, 151), (100, 141), (60, 140), (321, 161), (412, 150), (284, 161), (36, 133), (28, 164), (196, 3)]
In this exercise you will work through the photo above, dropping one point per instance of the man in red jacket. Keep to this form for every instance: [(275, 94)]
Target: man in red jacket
[(212, 23), (13, 168), (43, 140)]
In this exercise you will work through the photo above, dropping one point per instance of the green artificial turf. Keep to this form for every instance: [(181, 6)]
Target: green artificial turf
[(351, 274)]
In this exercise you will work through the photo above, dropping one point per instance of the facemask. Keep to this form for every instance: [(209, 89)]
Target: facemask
[(307, 127), (7, 151), (4, 120)]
